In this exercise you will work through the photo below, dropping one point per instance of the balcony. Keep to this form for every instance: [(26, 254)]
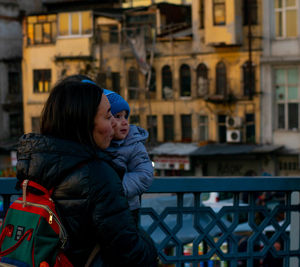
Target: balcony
[(191, 231)]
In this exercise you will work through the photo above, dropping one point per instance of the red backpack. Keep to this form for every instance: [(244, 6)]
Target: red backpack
[(32, 233)]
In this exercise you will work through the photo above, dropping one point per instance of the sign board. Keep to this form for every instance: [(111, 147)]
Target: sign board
[(171, 163)]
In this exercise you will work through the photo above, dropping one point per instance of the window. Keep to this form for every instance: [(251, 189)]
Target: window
[(168, 121), (186, 128), (134, 119), (250, 12), (203, 128), (201, 14), (15, 125), (133, 83), (185, 80), (113, 35), (14, 82), (115, 80), (221, 81), (41, 29), (250, 128), (248, 79), (288, 164), (286, 18), (202, 80), (222, 128), (167, 84), (41, 80), (152, 128), (287, 98), (219, 12), (35, 124), (101, 79), (109, 34), (152, 85), (74, 24)]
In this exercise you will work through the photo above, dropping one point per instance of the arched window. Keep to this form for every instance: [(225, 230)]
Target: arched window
[(202, 80), (185, 80), (248, 79), (167, 84), (221, 81), (152, 84), (133, 83)]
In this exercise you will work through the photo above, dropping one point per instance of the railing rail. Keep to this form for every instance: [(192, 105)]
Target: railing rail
[(189, 231)]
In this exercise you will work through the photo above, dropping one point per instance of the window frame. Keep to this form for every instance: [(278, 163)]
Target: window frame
[(166, 80), (70, 35), (169, 136), (154, 128), (221, 76), (133, 84), (203, 125), (222, 4), (283, 10), (221, 123), (185, 80), (285, 102), (203, 87), (14, 82), (44, 73), (186, 128), (15, 124), (152, 84), (39, 21)]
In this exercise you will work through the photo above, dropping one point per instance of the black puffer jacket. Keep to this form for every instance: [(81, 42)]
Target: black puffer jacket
[(89, 199)]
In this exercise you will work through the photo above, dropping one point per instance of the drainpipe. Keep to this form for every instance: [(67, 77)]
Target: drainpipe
[(250, 50)]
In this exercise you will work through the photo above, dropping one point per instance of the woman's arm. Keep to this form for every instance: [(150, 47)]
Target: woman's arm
[(122, 244)]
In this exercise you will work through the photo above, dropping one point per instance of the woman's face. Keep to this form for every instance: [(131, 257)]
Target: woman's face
[(103, 124)]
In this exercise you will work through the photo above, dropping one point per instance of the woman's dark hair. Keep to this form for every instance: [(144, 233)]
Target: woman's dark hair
[(70, 110)]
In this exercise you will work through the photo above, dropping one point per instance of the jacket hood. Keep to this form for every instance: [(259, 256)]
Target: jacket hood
[(136, 134), (48, 160)]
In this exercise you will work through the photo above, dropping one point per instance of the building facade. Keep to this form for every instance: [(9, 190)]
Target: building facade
[(190, 72), (11, 108), (280, 64)]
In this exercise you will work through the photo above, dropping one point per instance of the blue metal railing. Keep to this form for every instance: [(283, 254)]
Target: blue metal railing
[(189, 231)]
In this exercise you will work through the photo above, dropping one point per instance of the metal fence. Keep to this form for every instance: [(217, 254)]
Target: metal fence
[(257, 224)]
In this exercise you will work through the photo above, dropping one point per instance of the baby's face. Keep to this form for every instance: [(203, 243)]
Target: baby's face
[(121, 128)]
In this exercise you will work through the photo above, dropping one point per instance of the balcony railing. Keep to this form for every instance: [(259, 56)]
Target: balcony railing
[(191, 231)]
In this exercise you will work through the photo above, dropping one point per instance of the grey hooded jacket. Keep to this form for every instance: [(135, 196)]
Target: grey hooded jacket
[(132, 155)]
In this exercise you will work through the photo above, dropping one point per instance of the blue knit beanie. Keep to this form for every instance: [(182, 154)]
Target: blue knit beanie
[(117, 102)]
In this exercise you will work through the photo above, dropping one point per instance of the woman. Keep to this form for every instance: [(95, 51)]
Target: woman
[(76, 122)]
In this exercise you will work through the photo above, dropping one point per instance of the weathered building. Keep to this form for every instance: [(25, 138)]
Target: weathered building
[(190, 72), (11, 108), (280, 66)]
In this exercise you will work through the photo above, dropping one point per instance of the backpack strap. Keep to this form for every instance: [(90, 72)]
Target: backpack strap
[(92, 256)]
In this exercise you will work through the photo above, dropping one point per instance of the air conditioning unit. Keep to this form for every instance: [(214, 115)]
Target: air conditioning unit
[(233, 136), (233, 122)]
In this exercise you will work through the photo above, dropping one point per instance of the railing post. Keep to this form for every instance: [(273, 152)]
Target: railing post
[(294, 232)]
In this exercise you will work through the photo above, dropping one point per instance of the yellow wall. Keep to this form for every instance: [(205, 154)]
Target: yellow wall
[(37, 57), (173, 53), (229, 33), (136, 3)]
